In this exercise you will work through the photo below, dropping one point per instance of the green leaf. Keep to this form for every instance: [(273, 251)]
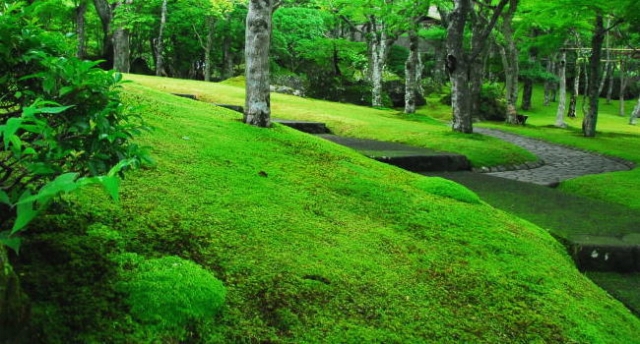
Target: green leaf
[(26, 213), (62, 184), (12, 243), (4, 198), (10, 129), (54, 110)]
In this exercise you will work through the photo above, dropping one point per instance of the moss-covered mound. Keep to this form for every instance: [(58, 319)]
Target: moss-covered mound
[(317, 244)]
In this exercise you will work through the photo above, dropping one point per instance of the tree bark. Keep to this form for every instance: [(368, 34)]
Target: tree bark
[(257, 45), (550, 84), (611, 80), (105, 12), (623, 87), (227, 56), (527, 87), (411, 73), (378, 50), (14, 304), (211, 22), (509, 54), (590, 120), (121, 44), (562, 103), (457, 67), (159, 46), (81, 10), (635, 113)]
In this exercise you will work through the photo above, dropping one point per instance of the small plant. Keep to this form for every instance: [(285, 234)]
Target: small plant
[(168, 295)]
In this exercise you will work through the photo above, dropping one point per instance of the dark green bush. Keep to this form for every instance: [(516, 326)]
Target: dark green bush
[(493, 106)]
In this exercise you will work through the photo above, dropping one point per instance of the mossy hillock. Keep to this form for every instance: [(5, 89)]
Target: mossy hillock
[(316, 243)]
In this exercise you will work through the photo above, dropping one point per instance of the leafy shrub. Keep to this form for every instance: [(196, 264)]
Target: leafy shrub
[(169, 294), (60, 119), (493, 106)]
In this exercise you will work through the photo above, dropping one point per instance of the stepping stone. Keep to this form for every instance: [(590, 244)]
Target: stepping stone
[(304, 126), (414, 159)]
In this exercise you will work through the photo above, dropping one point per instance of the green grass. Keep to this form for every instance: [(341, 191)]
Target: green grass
[(357, 121), (317, 244)]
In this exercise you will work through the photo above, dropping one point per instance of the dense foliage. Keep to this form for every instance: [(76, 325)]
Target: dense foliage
[(60, 118)]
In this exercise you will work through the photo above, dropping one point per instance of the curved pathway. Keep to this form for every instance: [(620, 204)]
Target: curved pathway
[(560, 162)]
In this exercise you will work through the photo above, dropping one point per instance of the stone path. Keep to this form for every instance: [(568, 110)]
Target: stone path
[(559, 162)]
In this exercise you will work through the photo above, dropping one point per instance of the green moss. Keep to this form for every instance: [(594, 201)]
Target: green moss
[(168, 294)]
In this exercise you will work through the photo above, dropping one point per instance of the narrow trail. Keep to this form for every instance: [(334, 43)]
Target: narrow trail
[(560, 162)]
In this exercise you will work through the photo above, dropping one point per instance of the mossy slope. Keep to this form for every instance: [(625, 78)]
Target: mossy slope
[(316, 243)]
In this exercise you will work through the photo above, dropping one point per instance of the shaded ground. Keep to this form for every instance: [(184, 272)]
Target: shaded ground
[(565, 215)]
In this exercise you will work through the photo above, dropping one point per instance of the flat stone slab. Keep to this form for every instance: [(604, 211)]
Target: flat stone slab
[(602, 253), (415, 159), (304, 126)]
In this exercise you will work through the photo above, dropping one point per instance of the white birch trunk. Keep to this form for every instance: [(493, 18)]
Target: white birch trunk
[(378, 57), (411, 74), (509, 55), (159, 42), (623, 87), (257, 45), (635, 113), (562, 103)]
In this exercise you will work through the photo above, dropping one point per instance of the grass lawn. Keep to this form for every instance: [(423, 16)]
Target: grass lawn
[(313, 242)]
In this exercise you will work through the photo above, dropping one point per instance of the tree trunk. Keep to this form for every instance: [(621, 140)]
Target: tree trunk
[(104, 10), (411, 74), (81, 10), (562, 103), (591, 118), (14, 305), (458, 68), (635, 113), (527, 87), (121, 44), (378, 51), (227, 56), (605, 73), (576, 89), (550, 84), (509, 54), (121, 50), (623, 87), (159, 43), (257, 45), (209, 47), (611, 81)]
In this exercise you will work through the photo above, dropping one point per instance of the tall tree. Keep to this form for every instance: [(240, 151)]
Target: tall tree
[(459, 61), (257, 110), (509, 53)]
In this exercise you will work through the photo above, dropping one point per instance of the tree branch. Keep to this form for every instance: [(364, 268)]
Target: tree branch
[(487, 30)]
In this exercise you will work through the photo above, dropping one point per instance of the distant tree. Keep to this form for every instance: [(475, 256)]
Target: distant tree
[(257, 110)]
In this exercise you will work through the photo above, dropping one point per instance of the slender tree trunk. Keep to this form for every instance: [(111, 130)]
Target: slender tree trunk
[(635, 113), (611, 83), (562, 103), (527, 88), (209, 47), (573, 104), (458, 68), (227, 56), (591, 118), (623, 87), (14, 304), (81, 10), (378, 50), (510, 62), (411, 74), (605, 73), (159, 43), (550, 84), (257, 45), (105, 12)]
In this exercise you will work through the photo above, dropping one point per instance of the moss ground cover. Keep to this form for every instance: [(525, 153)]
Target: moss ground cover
[(356, 121), (315, 243)]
